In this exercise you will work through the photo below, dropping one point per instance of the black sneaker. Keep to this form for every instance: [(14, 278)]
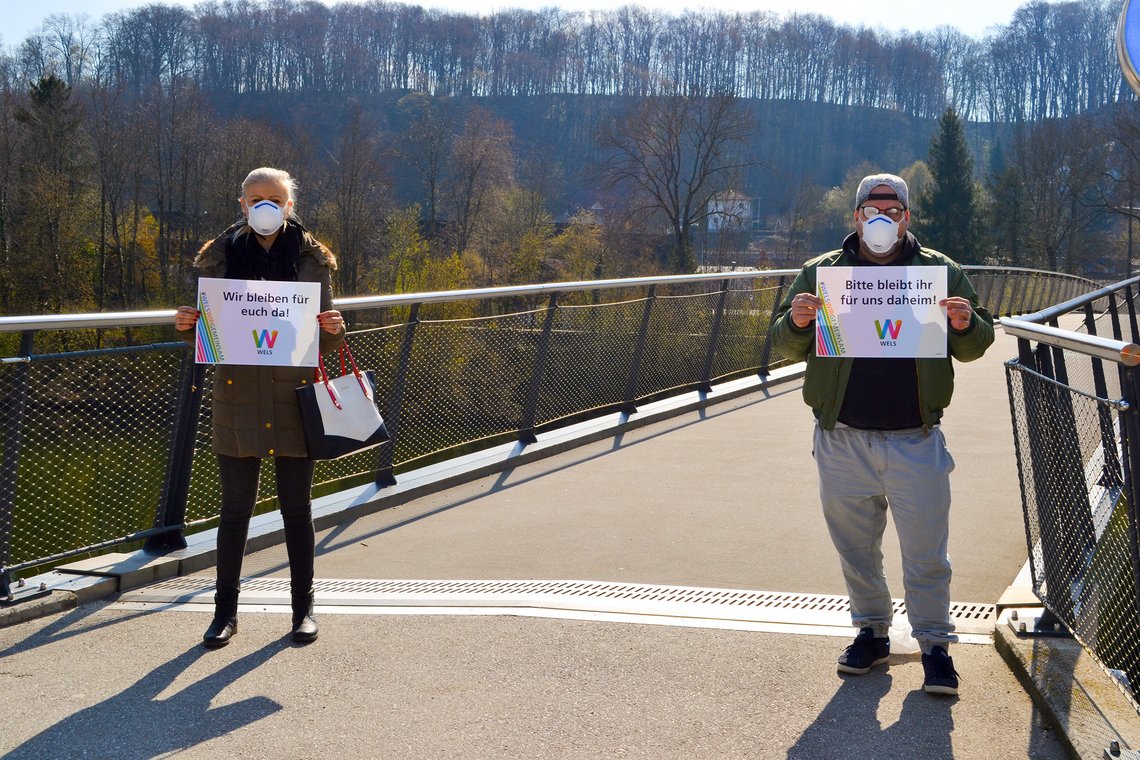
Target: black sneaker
[(941, 678), (867, 651)]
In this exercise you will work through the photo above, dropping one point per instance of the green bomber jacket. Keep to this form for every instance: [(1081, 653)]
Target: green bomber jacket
[(825, 379)]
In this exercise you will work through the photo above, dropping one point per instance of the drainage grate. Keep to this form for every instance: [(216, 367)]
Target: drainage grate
[(576, 596)]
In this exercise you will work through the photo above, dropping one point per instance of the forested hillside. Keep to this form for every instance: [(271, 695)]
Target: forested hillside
[(439, 150)]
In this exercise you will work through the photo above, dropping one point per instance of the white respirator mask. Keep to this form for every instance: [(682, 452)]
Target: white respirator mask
[(265, 217), (880, 234)]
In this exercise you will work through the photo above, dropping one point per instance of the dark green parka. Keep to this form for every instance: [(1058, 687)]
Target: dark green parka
[(825, 380)]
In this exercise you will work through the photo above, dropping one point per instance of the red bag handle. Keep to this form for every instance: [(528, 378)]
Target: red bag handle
[(345, 350), (321, 375)]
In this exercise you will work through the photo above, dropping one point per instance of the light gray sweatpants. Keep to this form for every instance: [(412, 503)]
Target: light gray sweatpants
[(861, 474)]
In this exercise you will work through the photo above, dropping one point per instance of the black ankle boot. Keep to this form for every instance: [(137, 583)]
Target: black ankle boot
[(224, 625), (304, 626)]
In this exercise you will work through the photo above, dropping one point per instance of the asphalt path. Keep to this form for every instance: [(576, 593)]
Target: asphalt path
[(723, 498), (726, 497), (102, 683)]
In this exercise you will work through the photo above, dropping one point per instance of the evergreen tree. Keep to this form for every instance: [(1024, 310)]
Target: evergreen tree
[(949, 217), (1005, 210)]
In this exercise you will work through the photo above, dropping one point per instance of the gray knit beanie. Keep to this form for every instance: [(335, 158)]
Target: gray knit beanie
[(892, 181)]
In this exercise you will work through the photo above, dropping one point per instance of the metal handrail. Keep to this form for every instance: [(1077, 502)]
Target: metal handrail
[(1058, 310), (1076, 427), (723, 342), (1117, 351), (355, 303)]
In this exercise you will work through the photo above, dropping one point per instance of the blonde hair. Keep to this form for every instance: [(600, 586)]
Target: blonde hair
[(269, 174)]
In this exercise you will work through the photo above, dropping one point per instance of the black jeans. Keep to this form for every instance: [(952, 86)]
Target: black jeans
[(239, 477)]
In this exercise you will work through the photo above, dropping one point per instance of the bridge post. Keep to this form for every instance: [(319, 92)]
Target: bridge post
[(1058, 487), (1019, 295), (1130, 302), (629, 404), (1131, 391), (1111, 475), (384, 476), (984, 285), (530, 410), (1032, 300), (13, 432), (714, 338), (1113, 314), (1028, 296), (766, 354), (171, 512), (1054, 283), (1001, 295)]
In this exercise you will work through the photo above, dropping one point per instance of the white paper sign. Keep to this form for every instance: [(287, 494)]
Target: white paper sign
[(881, 311), (262, 322)]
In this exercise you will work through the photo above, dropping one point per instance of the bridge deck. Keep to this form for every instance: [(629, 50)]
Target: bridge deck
[(724, 498), (720, 499)]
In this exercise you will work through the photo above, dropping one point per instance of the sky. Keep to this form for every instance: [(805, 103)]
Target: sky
[(974, 17)]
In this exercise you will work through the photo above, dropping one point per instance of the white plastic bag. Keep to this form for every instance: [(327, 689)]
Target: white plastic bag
[(902, 642)]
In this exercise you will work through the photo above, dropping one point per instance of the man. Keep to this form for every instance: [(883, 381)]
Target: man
[(877, 443)]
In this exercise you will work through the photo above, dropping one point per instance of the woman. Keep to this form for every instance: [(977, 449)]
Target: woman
[(255, 408)]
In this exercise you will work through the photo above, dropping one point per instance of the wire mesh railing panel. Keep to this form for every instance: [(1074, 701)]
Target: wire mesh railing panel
[(377, 351), (1023, 289), (467, 381), (986, 283), (1012, 291), (590, 358), (205, 496), (1113, 318), (93, 443), (677, 343), (1083, 373), (744, 331), (86, 446), (1077, 517)]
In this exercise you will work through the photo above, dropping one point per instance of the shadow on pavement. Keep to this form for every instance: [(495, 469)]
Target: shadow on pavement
[(849, 725), (143, 725), (67, 625)]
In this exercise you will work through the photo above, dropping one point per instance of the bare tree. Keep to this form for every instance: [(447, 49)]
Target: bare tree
[(357, 197), (72, 40), (674, 154), (424, 143), (1059, 164), (51, 202), (482, 162)]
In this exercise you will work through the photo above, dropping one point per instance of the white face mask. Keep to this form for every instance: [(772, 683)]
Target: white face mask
[(266, 217), (880, 234)]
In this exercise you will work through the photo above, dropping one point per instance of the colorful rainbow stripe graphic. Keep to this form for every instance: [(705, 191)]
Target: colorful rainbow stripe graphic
[(209, 345), (828, 341)]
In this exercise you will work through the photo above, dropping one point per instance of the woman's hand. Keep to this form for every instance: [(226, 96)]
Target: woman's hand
[(331, 321), (185, 318)]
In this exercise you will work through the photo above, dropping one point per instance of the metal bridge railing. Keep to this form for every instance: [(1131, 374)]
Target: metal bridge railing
[(105, 446), (1075, 403)]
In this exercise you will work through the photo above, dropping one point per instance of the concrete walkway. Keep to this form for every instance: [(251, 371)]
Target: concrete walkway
[(721, 498)]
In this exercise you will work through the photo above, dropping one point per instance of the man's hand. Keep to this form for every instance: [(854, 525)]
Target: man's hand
[(804, 307), (958, 312)]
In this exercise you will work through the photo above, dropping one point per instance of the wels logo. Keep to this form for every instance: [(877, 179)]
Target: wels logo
[(890, 327), (264, 341)]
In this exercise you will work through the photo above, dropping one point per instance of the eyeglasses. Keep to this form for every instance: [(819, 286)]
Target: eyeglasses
[(894, 213)]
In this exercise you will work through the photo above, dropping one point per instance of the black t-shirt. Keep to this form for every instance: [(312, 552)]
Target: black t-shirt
[(882, 394)]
